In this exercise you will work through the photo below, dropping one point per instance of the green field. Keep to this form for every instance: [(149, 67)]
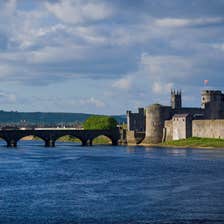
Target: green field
[(196, 142)]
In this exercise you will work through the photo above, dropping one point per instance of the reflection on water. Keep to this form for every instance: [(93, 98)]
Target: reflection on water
[(178, 152), (105, 184)]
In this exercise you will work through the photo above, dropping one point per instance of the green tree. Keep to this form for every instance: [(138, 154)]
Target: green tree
[(99, 123)]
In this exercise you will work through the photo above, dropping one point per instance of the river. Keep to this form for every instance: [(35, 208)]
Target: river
[(106, 184)]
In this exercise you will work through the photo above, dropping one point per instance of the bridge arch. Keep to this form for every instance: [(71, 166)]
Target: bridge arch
[(72, 138), (22, 137), (3, 138), (103, 138)]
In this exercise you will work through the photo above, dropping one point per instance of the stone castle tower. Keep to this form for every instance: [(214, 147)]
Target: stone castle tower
[(175, 100), (211, 96), (213, 103)]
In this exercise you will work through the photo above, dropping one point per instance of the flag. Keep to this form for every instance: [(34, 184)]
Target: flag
[(205, 82)]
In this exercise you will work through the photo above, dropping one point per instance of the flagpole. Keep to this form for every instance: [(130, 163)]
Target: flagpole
[(205, 83)]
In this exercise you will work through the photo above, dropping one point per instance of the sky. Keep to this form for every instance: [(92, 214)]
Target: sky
[(106, 57)]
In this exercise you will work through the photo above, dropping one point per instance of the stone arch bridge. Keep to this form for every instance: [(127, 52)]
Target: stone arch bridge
[(50, 136)]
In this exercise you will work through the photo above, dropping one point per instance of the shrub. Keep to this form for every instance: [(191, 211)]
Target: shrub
[(99, 123)]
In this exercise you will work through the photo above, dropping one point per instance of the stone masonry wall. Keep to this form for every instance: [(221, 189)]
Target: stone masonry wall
[(208, 128), (134, 137), (136, 121), (179, 128), (168, 131)]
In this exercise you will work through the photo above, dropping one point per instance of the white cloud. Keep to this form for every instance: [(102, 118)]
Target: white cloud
[(176, 22), (219, 46), (161, 88), (77, 11), (9, 7), (124, 83), (54, 54), (167, 66), (5, 70), (7, 97), (92, 101)]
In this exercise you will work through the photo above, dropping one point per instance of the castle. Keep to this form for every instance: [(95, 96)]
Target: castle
[(158, 123)]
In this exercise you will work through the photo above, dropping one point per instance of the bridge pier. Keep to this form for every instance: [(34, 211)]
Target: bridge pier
[(114, 142), (90, 142), (11, 143), (84, 143), (49, 143)]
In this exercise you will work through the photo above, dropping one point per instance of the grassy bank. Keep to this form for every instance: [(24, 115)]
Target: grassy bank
[(196, 142), (98, 140)]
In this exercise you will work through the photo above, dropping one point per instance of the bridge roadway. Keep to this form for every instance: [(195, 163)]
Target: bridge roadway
[(50, 136)]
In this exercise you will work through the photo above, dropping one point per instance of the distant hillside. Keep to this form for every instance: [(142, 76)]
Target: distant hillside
[(39, 118)]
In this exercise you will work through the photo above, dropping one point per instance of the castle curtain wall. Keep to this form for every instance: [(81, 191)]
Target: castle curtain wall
[(208, 128)]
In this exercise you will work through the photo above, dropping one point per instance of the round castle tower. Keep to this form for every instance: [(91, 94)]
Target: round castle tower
[(156, 115)]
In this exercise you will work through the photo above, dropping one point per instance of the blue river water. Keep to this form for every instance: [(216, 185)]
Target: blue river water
[(106, 184)]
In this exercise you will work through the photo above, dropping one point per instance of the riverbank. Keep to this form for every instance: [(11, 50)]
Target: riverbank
[(194, 142)]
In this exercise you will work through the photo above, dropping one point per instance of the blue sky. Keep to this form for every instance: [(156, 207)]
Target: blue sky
[(101, 56)]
